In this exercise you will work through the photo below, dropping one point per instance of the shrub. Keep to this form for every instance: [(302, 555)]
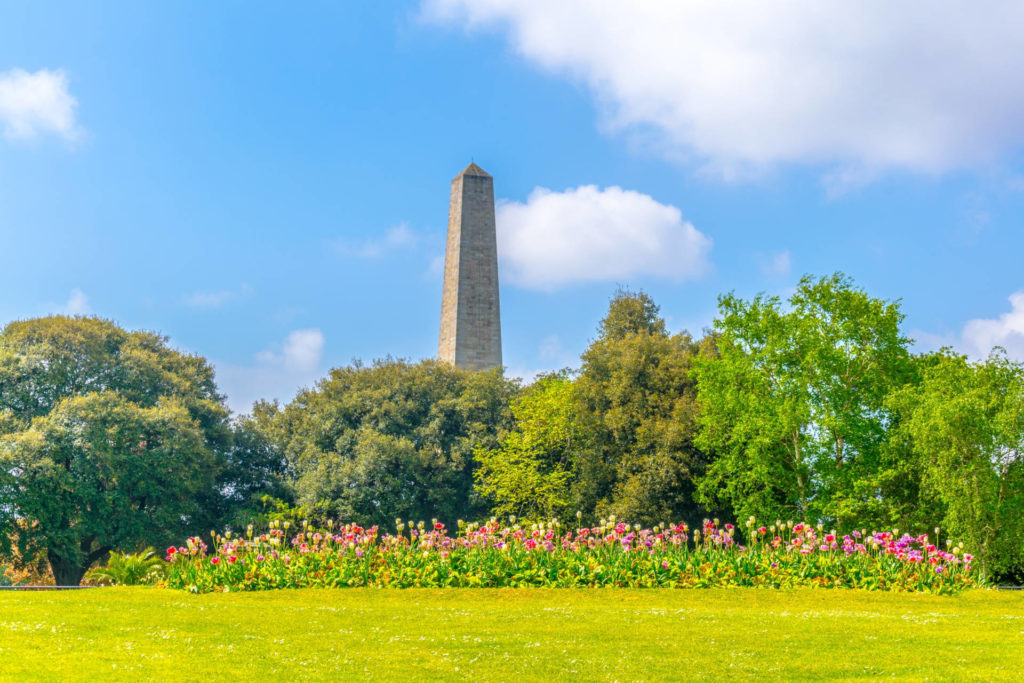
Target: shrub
[(130, 569)]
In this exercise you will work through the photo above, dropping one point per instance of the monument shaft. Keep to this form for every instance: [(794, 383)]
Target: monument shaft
[(470, 316)]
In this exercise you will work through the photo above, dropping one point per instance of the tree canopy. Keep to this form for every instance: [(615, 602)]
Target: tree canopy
[(110, 439), (393, 439), (965, 422), (793, 402), (812, 409), (530, 473), (636, 405)]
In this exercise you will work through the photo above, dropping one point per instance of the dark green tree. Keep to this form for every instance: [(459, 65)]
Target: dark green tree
[(111, 436), (393, 439), (254, 474), (636, 409)]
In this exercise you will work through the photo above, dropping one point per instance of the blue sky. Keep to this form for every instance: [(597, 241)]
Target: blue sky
[(267, 184)]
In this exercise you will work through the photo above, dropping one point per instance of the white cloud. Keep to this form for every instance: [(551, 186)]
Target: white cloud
[(587, 235), (216, 299), (776, 265), (397, 237), (980, 335), (34, 103), (77, 304), (276, 373), (741, 85), (301, 351)]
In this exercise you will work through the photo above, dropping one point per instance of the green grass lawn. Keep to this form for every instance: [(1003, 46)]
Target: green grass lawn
[(613, 634)]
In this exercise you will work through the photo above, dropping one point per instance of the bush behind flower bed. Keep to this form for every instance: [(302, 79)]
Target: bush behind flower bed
[(613, 554)]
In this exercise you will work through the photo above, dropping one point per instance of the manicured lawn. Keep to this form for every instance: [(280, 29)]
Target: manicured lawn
[(613, 634)]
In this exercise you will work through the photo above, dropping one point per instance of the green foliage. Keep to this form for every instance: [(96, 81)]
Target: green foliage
[(529, 474), (99, 473), (394, 439), (636, 406), (793, 402), (811, 408), (631, 313), (45, 360), (254, 471), (117, 438), (130, 569), (965, 422)]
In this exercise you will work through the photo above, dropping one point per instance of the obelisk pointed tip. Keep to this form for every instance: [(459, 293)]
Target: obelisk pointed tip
[(475, 170)]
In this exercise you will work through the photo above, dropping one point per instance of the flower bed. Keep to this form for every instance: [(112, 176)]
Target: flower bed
[(613, 554)]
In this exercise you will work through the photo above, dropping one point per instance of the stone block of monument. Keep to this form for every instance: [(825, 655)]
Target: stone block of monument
[(470, 315)]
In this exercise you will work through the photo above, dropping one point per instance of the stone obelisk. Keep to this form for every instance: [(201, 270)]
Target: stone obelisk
[(470, 318)]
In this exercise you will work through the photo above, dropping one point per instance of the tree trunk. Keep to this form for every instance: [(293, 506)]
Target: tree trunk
[(65, 573), (800, 484)]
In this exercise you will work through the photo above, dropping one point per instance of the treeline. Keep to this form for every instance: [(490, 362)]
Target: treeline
[(813, 409)]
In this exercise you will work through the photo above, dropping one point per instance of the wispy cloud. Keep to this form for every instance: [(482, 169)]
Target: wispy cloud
[(551, 356), (776, 265), (277, 372), (551, 348), (35, 103), (217, 299), (398, 237), (980, 335), (301, 351), (77, 304)]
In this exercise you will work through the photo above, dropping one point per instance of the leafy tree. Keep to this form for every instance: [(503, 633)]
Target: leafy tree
[(254, 471), (100, 473), (793, 402), (393, 439), (636, 406), (45, 360), (631, 313), (966, 424), (110, 438), (530, 473)]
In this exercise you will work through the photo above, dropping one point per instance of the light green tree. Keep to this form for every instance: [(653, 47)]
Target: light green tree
[(793, 402), (965, 422), (530, 473)]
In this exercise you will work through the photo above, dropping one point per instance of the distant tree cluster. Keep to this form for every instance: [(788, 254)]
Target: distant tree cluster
[(813, 409)]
